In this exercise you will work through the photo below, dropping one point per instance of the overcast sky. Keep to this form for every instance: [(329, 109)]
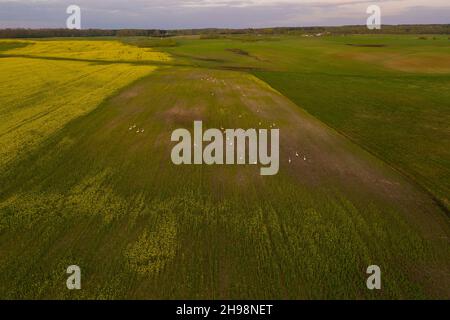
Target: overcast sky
[(172, 14)]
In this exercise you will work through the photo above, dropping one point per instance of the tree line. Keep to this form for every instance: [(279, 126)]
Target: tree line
[(386, 29)]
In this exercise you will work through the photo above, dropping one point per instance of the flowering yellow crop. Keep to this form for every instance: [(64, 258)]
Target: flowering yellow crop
[(88, 50), (40, 96)]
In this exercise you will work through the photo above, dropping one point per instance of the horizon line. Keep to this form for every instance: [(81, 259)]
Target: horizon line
[(229, 28)]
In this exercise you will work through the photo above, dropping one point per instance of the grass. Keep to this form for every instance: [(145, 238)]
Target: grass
[(92, 192), (393, 100)]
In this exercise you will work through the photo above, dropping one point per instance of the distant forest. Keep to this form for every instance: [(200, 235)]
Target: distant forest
[(386, 29)]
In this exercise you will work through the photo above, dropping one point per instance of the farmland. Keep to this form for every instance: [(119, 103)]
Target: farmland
[(389, 94), (364, 175)]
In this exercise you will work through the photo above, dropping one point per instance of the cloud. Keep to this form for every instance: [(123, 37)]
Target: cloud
[(169, 14)]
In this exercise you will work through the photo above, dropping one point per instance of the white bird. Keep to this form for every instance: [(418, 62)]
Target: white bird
[(296, 154), (304, 158), (290, 160)]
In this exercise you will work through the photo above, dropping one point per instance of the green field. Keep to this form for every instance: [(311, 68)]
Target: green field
[(368, 116)]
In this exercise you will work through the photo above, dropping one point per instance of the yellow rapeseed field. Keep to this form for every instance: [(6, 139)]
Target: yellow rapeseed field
[(88, 50), (40, 96)]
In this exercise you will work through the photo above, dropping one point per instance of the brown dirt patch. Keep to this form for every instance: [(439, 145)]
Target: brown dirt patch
[(181, 114)]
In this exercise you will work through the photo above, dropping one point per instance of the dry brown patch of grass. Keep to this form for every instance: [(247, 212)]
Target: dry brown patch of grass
[(182, 114), (422, 64)]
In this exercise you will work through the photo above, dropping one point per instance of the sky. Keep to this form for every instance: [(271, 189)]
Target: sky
[(180, 14)]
